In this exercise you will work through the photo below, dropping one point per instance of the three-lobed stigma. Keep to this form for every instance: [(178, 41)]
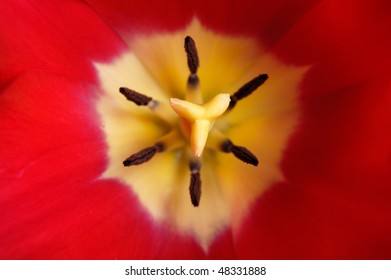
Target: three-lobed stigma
[(196, 120)]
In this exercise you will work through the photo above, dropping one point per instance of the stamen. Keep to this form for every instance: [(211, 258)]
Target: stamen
[(239, 152), (195, 182), (247, 89), (196, 122), (192, 55), (159, 108), (135, 97), (193, 82), (144, 155)]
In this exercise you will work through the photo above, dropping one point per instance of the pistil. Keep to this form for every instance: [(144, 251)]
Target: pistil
[(198, 120)]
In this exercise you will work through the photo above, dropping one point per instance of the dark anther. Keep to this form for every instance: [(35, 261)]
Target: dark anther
[(134, 96), (239, 152), (144, 155), (192, 55), (195, 183), (247, 89)]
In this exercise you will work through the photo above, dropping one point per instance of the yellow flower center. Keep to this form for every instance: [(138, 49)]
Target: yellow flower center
[(178, 131)]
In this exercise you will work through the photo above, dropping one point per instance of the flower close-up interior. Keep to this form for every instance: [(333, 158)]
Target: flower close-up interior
[(195, 130)]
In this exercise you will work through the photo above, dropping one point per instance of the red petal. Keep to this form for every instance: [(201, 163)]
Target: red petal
[(129, 17), (63, 36), (53, 204), (335, 28), (267, 19), (43, 112), (335, 202)]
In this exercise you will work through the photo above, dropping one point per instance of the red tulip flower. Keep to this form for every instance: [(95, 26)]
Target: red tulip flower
[(195, 130)]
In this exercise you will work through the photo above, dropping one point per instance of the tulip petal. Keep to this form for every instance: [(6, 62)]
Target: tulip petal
[(334, 201), (34, 36)]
